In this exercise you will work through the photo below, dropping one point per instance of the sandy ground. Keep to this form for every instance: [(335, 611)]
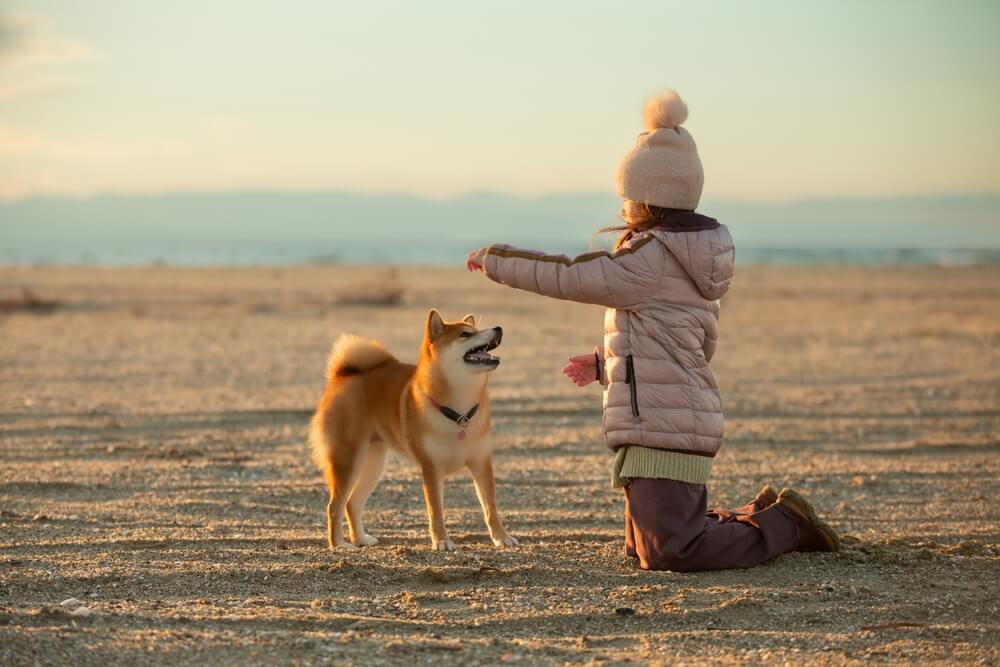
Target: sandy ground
[(153, 465)]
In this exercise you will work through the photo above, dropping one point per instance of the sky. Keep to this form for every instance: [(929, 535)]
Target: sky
[(787, 100)]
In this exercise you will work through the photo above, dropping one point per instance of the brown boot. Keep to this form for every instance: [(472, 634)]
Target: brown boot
[(766, 497), (814, 534)]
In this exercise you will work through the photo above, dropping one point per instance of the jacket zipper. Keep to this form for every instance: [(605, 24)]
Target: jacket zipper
[(630, 381)]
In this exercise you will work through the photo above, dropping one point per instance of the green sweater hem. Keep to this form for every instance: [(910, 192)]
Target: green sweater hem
[(633, 461)]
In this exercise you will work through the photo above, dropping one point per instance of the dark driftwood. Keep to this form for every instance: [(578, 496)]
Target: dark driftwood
[(24, 300), (380, 296)]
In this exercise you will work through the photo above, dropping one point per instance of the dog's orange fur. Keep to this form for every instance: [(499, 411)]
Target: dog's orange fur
[(373, 401)]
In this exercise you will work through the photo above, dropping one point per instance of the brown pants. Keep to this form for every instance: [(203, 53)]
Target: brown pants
[(668, 528)]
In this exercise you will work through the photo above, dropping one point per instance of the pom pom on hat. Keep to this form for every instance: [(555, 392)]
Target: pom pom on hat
[(666, 110)]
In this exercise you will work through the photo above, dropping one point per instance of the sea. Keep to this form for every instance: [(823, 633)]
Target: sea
[(272, 252)]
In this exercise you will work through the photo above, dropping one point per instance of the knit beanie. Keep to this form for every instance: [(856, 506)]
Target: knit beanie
[(663, 168)]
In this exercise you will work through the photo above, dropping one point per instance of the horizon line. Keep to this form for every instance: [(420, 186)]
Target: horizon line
[(468, 194)]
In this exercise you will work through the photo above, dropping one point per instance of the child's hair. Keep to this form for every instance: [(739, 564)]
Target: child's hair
[(638, 217)]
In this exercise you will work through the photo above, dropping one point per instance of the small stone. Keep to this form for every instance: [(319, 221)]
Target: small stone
[(625, 611), (70, 603)]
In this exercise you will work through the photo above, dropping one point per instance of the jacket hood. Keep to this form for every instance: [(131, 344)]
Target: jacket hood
[(705, 249)]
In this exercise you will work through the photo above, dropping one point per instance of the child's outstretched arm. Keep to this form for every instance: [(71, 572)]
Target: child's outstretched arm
[(621, 279)]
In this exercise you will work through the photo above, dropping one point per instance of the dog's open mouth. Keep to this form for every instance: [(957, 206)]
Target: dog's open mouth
[(481, 355)]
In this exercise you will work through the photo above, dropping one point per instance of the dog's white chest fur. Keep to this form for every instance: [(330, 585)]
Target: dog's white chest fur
[(451, 453)]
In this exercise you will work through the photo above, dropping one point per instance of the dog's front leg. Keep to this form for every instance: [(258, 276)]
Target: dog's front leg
[(482, 475), (434, 497)]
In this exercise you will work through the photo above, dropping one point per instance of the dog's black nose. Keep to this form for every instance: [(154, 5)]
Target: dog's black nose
[(499, 333)]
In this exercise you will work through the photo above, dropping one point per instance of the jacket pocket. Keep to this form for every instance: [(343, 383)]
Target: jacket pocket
[(630, 381)]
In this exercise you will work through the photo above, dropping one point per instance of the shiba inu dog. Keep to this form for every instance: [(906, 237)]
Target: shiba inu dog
[(436, 413)]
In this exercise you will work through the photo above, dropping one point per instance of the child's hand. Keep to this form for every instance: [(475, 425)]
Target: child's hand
[(582, 370), (474, 262)]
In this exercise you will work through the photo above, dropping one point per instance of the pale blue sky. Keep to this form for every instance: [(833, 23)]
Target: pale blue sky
[(788, 99)]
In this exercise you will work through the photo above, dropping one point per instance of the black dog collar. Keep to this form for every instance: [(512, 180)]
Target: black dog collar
[(456, 416)]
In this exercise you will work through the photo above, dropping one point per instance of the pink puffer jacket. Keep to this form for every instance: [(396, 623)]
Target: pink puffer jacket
[(660, 330)]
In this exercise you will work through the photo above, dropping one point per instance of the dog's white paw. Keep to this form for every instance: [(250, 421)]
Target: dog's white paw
[(504, 540), (444, 545), (342, 545), (366, 540)]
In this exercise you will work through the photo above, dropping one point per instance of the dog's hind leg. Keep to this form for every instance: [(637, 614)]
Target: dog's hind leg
[(341, 472), (369, 474)]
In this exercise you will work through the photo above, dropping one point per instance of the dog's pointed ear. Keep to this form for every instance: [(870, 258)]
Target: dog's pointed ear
[(435, 325), (470, 320)]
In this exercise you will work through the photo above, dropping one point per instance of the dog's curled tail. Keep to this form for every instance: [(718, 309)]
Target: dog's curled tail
[(352, 355)]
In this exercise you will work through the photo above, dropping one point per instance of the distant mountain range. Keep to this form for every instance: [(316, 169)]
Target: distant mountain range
[(898, 222)]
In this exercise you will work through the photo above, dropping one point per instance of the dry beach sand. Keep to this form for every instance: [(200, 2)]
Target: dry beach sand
[(153, 466)]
